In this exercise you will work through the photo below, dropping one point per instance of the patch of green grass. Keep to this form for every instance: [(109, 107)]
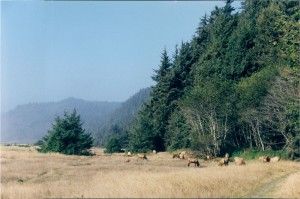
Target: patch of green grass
[(253, 153)]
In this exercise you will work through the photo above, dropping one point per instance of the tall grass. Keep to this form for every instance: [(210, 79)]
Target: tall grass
[(28, 174), (289, 188)]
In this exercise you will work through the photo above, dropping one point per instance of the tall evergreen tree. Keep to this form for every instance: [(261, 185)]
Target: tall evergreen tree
[(142, 137), (163, 68), (160, 102)]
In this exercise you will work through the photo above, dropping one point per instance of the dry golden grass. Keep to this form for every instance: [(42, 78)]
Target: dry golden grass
[(26, 173), (289, 188)]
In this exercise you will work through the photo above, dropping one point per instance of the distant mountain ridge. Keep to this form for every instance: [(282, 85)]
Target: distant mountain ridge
[(28, 123)]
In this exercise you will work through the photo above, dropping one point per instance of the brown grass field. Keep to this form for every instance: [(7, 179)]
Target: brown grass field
[(25, 173)]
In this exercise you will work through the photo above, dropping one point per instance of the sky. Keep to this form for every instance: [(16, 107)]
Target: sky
[(94, 50)]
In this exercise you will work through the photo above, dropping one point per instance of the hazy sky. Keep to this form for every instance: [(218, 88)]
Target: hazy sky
[(98, 51)]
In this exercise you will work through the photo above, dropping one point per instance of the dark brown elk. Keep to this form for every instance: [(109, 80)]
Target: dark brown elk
[(225, 160), (176, 155)]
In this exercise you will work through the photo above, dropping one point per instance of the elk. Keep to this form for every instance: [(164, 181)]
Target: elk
[(225, 160), (142, 156), (264, 159), (193, 160), (275, 159), (176, 155), (239, 161), (180, 155)]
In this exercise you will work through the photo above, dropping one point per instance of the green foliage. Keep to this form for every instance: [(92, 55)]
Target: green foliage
[(293, 150), (142, 137), (255, 153), (163, 68), (178, 136), (39, 143), (233, 86), (151, 126), (67, 136), (253, 89), (122, 120), (288, 24), (113, 146)]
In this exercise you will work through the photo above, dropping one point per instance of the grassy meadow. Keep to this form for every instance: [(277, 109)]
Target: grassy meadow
[(25, 173)]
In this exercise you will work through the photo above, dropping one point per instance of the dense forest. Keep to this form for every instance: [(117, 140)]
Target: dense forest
[(121, 120), (234, 85)]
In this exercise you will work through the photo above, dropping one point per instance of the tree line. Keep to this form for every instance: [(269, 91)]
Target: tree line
[(234, 85)]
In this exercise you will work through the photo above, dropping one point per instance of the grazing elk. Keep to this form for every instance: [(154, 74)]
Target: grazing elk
[(275, 159), (193, 160), (142, 157), (208, 157), (225, 160), (92, 151), (180, 155), (239, 161), (175, 155), (264, 159)]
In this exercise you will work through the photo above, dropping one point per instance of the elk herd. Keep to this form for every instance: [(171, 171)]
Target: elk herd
[(182, 155)]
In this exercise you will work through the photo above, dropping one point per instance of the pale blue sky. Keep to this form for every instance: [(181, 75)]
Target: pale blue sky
[(98, 51)]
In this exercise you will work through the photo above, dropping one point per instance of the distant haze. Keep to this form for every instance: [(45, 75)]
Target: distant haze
[(29, 123), (97, 51)]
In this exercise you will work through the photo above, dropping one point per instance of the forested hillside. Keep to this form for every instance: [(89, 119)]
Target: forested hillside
[(234, 85), (121, 120)]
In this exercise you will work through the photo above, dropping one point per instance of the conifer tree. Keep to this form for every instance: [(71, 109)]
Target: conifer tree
[(141, 138), (67, 136)]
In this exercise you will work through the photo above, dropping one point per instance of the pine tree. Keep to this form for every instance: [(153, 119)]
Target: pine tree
[(178, 136), (163, 68), (141, 138), (67, 136)]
